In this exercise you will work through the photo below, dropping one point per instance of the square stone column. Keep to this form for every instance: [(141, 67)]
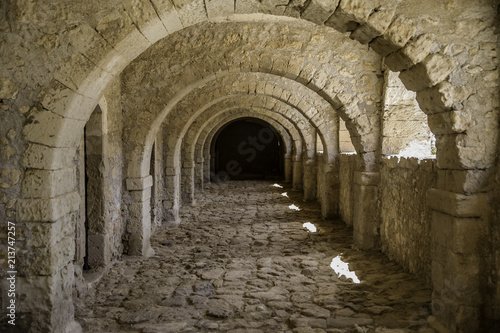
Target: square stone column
[(171, 203), (310, 176), (297, 180), (459, 243), (139, 223), (331, 197), (187, 179), (366, 218), (198, 174), (288, 164), (45, 251)]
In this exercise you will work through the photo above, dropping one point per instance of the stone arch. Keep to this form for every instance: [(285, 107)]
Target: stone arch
[(174, 141), (70, 104)]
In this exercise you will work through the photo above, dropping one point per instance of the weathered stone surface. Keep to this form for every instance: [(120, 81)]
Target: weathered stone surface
[(395, 37), (431, 71), (454, 204), (318, 11), (218, 283), (47, 210), (376, 25), (134, 184), (413, 53), (48, 184), (349, 14), (8, 90)]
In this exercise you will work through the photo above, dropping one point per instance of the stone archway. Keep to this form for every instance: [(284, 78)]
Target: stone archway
[(71, 97)]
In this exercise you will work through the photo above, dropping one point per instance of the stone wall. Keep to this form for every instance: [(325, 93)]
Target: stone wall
[(404, 124), (405, 218)]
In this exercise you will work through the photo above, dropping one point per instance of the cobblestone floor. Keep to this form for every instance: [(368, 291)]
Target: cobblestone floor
[(241, 261)]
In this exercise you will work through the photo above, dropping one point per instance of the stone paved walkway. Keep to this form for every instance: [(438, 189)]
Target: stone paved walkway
[(241, 261)]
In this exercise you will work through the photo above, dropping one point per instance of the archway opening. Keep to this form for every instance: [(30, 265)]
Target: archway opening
[(247, 149)]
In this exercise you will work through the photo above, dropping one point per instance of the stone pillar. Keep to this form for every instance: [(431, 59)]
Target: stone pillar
[(459, 232), (206, 170), (45, 243), (310, 177), (331, 196), (297, 172), (139, 223), (288, 168), (366, 218), (172, 192), (187, 189), (198, 174)]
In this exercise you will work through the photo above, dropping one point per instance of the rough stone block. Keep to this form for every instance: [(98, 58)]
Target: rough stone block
[(455, 204), (440, 98), (246, 6), (366, 178), (47, 210), (143, 183), (349, 14), (318, 11), (376, 25), (395, 37), (469, 235), (141, 195), (441, 233), (52, 245), (413, 53), (431, 71), (274, 7), (449, 122), (168, 15), (43, 157), (462, 181), (47, 184), (219, 8), (400, 95), (365, 217), (8, 90), (190, 11), (51, 129), (89, 43), (146, 19)]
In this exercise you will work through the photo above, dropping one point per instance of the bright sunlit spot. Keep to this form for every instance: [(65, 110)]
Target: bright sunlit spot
[(342, 268), (309, 226), (278, 185), (284, 194), (292, 206)]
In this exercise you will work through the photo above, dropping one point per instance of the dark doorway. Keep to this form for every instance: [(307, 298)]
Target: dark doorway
[(247, 149)]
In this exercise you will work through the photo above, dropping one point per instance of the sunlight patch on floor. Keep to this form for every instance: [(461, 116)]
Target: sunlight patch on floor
[(309, 226), (342, 268)]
